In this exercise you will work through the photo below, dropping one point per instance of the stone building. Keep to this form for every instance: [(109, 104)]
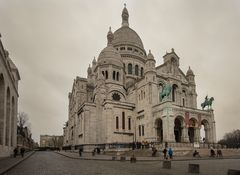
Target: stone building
[(51, 141), (119, 101), (9, 77)]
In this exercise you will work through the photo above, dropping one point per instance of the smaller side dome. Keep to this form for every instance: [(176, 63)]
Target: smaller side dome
[(109, 55), (190, 72)]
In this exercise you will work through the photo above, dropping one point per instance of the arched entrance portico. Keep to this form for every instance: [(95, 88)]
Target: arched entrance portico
[(159, 130), (178, 126), (205, 131), (191, 129)]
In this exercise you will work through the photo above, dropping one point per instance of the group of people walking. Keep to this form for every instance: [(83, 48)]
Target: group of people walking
[(167, 153), (16, 150)]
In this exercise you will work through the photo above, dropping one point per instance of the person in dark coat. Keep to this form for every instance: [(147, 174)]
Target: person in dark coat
[(15, 152), (165, 153), (22, 151)]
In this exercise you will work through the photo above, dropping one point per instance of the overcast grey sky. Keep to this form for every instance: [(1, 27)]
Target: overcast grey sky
[(53, 41)]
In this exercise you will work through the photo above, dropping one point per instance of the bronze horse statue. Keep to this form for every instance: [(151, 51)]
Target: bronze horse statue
[(165, 91), (207, 102)]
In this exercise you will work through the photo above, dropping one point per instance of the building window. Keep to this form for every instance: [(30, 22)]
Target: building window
[(117, 123), (122, 48), (139, 130), (135, 50), (141, 71), (142, 130), (129, 48), (114, 75), (129, 123), (106, 72), (117, 76), (103, 73), (174, 88), (116, 97), (123, 120), (129, 68), (183, 102), (136, 70)]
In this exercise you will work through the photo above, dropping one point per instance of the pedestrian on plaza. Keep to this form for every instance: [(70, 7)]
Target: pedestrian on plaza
[(154, 151), (170, 153), (22, 151), (196, 154), (165, 153), (212, 153), (15, 152), (219, 153)]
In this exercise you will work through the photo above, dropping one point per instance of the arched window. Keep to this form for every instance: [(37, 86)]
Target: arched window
[(114, 75), (2, 95), (103, 73), (129, 68), (136, 70), (117, 76), (106, 74), (183, 102), (129, 123), (117, 123), (141, 71), (174, 88), (123, 120)]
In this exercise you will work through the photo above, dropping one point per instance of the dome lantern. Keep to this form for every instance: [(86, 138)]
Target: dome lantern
[(110, 37), (125, 16)]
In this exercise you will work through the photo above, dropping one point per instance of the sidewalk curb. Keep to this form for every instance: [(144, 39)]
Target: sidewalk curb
[(147, 160), (16, 163)]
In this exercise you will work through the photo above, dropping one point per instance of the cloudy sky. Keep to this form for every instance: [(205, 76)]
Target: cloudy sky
[(53, 41)]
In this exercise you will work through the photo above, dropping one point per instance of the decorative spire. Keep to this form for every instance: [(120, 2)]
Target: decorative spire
[(172, 49), (94, 61), (125, 16), (89, 70), (110, 36), (150, 56), (190, 72)]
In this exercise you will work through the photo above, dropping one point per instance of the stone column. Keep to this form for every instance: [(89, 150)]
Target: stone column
[(168, 124), (185, 137), (197, 134)]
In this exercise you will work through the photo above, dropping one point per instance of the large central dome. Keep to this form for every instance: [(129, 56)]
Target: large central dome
[(126, 35)]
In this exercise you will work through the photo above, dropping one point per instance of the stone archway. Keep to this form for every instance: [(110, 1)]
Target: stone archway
[(178, 126), (191, 129), (7, 131), (12, 121), (159, 129), (2, 100), (205, 131)]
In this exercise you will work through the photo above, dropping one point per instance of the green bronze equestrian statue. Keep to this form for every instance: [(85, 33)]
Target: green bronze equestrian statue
[(165, 91), (207, 102)]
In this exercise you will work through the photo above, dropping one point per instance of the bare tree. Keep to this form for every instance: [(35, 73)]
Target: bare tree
[(22, 119), (231, 139)]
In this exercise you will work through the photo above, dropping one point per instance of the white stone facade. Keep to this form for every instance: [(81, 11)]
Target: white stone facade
[(9, 77), (119, 100)]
